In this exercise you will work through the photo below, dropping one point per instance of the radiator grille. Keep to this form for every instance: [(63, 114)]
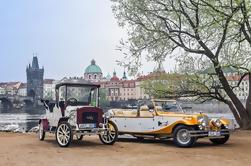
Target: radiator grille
[(90, 117)]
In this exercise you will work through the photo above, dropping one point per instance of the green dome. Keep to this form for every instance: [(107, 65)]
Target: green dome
[(93, 68)]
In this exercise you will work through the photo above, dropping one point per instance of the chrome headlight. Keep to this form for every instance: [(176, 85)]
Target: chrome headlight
[(202, 121), (216, 122), (106, 115)]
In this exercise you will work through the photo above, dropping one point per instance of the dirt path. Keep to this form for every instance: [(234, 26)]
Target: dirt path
[(27, 150)]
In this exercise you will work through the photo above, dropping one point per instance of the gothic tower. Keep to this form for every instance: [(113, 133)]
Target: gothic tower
[(35, 77)]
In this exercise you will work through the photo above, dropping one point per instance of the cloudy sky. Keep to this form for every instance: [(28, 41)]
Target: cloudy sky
[(66, 34)]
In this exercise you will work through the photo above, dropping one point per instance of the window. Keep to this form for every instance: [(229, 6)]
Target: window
[(90, 77), (95, 77)]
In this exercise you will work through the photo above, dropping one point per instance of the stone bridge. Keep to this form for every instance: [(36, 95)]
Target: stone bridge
[(9, 102)]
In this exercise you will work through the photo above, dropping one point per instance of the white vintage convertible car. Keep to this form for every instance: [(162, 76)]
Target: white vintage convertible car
[(165, 119)]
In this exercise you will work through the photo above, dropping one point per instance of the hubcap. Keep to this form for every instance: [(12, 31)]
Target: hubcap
[(109, 135), (63, 134), (183, 136)]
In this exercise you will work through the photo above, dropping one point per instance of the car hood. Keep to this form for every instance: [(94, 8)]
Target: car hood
[(179, 114)]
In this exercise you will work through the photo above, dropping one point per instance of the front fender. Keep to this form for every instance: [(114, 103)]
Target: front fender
[(225, 121), (45, 123), (63, 119)]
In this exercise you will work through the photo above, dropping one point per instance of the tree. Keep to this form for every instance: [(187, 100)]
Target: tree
[(163, 85), (209, 33), (103, 98)]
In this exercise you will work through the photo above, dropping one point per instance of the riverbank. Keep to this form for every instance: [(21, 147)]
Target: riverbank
[(25, 149)]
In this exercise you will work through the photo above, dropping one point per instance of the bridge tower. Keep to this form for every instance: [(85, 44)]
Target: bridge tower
[(35, 77)]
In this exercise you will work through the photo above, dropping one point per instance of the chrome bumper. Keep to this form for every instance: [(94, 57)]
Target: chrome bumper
[(93, 131), (211, 134)]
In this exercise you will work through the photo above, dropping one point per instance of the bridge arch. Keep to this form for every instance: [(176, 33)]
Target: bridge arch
[(6, 104)]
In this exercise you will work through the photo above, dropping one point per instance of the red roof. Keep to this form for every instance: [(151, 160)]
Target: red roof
[(129, 83), (13, 85), (150, 76), (115, 78), (236, 78)]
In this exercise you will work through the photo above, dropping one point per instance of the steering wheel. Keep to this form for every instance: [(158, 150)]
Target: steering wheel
[(72, 101)]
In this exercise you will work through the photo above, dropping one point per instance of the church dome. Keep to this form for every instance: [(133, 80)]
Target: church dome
[(93, 68)]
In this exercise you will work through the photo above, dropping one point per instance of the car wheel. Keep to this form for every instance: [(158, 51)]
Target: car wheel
[(64, 134), (220, 141), (79, 137), (182, 137), (110, 136), (41, 132), (140, 139)]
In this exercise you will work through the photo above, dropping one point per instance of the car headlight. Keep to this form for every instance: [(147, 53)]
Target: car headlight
[(216, 122), (106, 115), (202, 121)]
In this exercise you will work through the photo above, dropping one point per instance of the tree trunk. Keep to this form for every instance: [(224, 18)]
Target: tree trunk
[(248, 102), (245, 120), (235, 113)]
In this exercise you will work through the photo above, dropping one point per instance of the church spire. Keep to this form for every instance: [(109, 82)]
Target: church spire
[(35, 63), (124, 76), (114, 73), (93, 62)]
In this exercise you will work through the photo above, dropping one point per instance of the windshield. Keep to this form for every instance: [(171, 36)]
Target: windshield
[(81, 94), (78, 95), (169, 106)]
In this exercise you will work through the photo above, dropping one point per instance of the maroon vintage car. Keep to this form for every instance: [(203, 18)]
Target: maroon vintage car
[(76, 112)]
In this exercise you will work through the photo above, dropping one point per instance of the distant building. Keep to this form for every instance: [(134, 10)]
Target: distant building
[(93, 72), (2, 91), (128, 90), (243, 90), (49, 89), (35, 76), (13, 88), (22, 90)]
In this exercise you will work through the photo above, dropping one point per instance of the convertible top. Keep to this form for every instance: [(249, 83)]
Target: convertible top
[(76, 82)]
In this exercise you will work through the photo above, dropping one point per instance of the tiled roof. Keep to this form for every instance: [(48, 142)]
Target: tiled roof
[(236, 78), (12, 85)]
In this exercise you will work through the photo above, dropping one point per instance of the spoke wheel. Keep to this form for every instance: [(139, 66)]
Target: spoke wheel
[(41, 132), (110, 136), (64, 134), (182, 136)]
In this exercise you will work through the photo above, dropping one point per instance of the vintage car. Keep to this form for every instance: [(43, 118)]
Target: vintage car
[(165, 119), (76, 112)]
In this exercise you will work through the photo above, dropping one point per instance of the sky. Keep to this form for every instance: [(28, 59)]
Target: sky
[(65, 34)]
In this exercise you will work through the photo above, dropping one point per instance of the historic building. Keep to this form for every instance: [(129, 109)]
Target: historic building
[(35, 76), (93, 72), (49, 89)]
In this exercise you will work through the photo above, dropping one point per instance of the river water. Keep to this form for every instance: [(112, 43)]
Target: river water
[(18, 122)]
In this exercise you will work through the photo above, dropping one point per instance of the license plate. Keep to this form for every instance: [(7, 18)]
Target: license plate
[(214, 133), (87, 125)]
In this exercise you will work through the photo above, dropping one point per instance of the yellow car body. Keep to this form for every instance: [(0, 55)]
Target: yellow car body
[(154, 121)]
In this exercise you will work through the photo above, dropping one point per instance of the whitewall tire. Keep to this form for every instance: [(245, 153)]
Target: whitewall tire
[(64, 134)]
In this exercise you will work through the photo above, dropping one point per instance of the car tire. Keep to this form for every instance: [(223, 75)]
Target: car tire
[(64, 134), (220, 141), (41, 132), (140, 139), (79, 137), (108, 137), (182, 138)]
